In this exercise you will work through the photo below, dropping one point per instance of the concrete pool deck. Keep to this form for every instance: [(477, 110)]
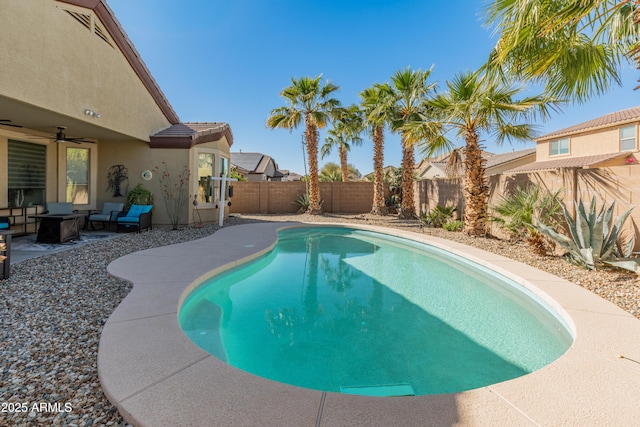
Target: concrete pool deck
[(156, 376)]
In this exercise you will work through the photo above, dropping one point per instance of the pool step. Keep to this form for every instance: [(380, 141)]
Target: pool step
[(380, 390)]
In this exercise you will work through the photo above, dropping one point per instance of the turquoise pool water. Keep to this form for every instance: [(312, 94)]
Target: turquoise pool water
[(354, 311)]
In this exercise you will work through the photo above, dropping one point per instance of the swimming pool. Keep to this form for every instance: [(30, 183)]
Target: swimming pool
[(359, 312)]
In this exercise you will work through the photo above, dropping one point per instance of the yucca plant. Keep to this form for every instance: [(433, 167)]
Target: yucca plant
[(592, 240)]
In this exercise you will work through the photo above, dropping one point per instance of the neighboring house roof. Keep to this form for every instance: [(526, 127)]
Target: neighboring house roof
[(500, 159), (292, 176), (567, 162), (186, 135), (253, 162), (438, 165), (617, 118), (113, 27), (438, 168)]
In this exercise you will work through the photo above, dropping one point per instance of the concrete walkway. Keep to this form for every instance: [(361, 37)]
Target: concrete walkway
[(157, 377)]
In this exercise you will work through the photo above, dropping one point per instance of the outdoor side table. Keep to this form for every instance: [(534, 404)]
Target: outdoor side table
[(58, 228)]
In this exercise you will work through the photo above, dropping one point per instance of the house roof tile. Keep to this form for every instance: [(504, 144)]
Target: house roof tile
[(608, 120), (186, 135), (567, 162)]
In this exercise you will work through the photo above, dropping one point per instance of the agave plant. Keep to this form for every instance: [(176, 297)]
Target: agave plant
[(593, 237), (303, 201)]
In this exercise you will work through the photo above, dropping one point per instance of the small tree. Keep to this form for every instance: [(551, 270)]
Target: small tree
[(175, 192)]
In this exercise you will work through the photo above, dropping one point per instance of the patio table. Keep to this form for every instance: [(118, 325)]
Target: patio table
[(58, 228)]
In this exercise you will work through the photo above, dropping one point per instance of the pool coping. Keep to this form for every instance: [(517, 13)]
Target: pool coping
[(156, 376)]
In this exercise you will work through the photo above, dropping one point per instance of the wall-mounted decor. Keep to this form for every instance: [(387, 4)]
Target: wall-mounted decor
[(116, 176)]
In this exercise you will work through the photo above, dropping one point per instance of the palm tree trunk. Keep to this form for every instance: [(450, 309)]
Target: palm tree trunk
[(407, 209), (343, 164), (379, 207), (476, 190), (311, 136)]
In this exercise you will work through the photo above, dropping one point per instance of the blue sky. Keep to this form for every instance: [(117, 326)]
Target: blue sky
[(227, 61)]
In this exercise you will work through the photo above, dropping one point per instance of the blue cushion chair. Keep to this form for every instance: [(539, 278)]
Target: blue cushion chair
[(4, 223), (137, 218), (107, 216)]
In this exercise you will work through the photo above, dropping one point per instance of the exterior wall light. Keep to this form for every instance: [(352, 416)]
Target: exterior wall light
[(92, 113)]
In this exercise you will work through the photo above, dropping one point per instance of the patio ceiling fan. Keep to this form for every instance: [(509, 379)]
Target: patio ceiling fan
[(7, 122), (61, 137)]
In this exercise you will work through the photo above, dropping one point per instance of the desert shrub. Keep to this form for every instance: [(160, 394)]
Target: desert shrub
[(437, 216), (453, 225), (515, 211)]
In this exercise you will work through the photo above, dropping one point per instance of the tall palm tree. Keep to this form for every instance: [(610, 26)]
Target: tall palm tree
[(410, 90), (576, 48), (347, 128), (374, 104), (309, 99), (472, 105)]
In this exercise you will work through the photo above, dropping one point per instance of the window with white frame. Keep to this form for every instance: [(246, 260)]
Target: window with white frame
[(77, 181), (628, 138), (205, 172), (558, 147), (78, 175), (224, 171)]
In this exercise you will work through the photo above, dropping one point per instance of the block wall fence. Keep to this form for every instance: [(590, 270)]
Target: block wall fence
[(616, 183), (274, 197)]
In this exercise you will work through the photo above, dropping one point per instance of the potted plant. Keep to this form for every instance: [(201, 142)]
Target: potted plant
[(139, 196)]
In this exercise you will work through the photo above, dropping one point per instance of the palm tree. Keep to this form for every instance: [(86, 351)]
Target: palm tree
[(332, 172), (374, 105), (576, 47), (310, 100), (410, 90), (347, 128), (474, 104)]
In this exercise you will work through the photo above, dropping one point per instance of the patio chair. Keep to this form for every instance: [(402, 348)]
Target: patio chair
[(107, 216), (59, 208), (138, 217), (4, 223)]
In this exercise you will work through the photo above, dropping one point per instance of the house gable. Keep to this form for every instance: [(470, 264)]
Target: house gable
[(119, 37), (77, 62)]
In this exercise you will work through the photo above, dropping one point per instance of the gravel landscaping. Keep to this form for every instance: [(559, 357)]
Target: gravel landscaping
[(53, 309)]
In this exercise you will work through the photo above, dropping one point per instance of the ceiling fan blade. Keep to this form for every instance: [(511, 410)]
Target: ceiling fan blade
[(78, 140), (4, 122)]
